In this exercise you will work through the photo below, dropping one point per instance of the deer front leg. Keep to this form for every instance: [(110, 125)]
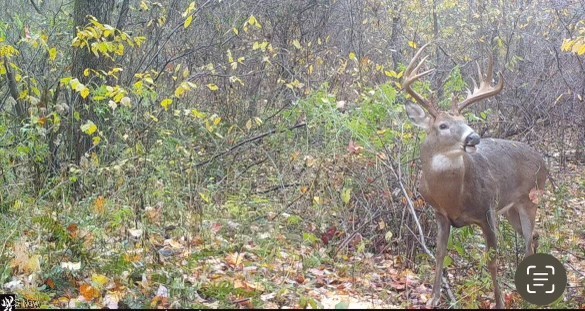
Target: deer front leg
[(489, 232), (443, 231)]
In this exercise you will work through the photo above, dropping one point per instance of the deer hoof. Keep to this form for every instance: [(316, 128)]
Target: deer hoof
[(433, 303)]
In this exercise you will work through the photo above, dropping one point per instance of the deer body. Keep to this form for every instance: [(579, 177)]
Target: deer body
[(472, 183), (468, 180)]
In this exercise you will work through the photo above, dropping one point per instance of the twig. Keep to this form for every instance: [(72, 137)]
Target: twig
[(279, 187), (350, 237), (246, 141)]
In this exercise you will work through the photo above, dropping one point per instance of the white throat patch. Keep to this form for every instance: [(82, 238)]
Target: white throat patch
[(444, 162)]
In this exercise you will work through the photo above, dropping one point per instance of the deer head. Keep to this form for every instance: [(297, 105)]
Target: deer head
[(447, 129), (468, 182)]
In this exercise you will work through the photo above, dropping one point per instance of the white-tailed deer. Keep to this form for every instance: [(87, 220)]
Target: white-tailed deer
[(468, 182)]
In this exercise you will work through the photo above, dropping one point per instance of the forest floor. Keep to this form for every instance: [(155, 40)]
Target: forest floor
[(271, 264)]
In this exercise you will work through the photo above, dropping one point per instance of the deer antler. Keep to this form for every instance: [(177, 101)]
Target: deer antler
[(485, 90), (411, 75)]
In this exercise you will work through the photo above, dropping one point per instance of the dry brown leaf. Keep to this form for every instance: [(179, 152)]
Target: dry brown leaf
[(234, 259), (73, 230), (89, 292), (99, 205), (22, 261)]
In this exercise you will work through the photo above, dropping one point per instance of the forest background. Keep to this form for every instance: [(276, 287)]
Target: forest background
[(205, 154)]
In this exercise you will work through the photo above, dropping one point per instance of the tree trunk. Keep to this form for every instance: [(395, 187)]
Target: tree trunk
[(82, 59)]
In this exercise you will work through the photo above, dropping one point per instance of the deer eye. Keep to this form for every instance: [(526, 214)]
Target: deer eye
[(443, 126)]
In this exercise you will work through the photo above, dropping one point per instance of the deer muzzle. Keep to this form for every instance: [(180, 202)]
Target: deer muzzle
[(470, 142)]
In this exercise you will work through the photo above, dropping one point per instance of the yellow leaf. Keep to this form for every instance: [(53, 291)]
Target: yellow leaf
[(153, 118), (73, 83), (84, 92), (96, 140), (352, 56), (89, 127), (190, 9), (188, 21), (143, 6), (296, 44), (99, 279), (412, 44), (166, 103), (317, 200), (346, 195), (216, 121), (33, 264), (213, 87), (53, 54), (235, 30), (180, 91), (229, 56), (254, 22), (204, 197)]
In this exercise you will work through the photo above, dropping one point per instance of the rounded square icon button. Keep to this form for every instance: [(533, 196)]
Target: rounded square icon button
[(540, 279)]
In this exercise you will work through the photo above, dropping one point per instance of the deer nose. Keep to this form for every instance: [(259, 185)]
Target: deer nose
[(472, 139)]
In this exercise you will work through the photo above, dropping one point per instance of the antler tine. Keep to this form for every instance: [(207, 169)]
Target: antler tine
[(485, 89), (411, 75)]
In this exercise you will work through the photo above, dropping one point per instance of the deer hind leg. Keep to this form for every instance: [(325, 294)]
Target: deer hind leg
[(443, 231), (522, 217), (489, 232)]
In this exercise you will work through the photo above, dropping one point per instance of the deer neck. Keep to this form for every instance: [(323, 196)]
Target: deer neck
[(443, 177), (446, 164)]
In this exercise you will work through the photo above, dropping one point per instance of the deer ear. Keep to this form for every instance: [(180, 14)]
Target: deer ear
[(418, 116)]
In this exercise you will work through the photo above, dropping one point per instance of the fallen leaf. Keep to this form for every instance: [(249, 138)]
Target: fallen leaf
[(135, 232), (88, 292), (235, 259), (100, 279), (111, 301), (100, 205), (162, 291), (73, 266), (354, 148), (73, 230)]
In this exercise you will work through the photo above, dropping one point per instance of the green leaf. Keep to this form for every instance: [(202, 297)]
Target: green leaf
[(447, 261), (346, 195)]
